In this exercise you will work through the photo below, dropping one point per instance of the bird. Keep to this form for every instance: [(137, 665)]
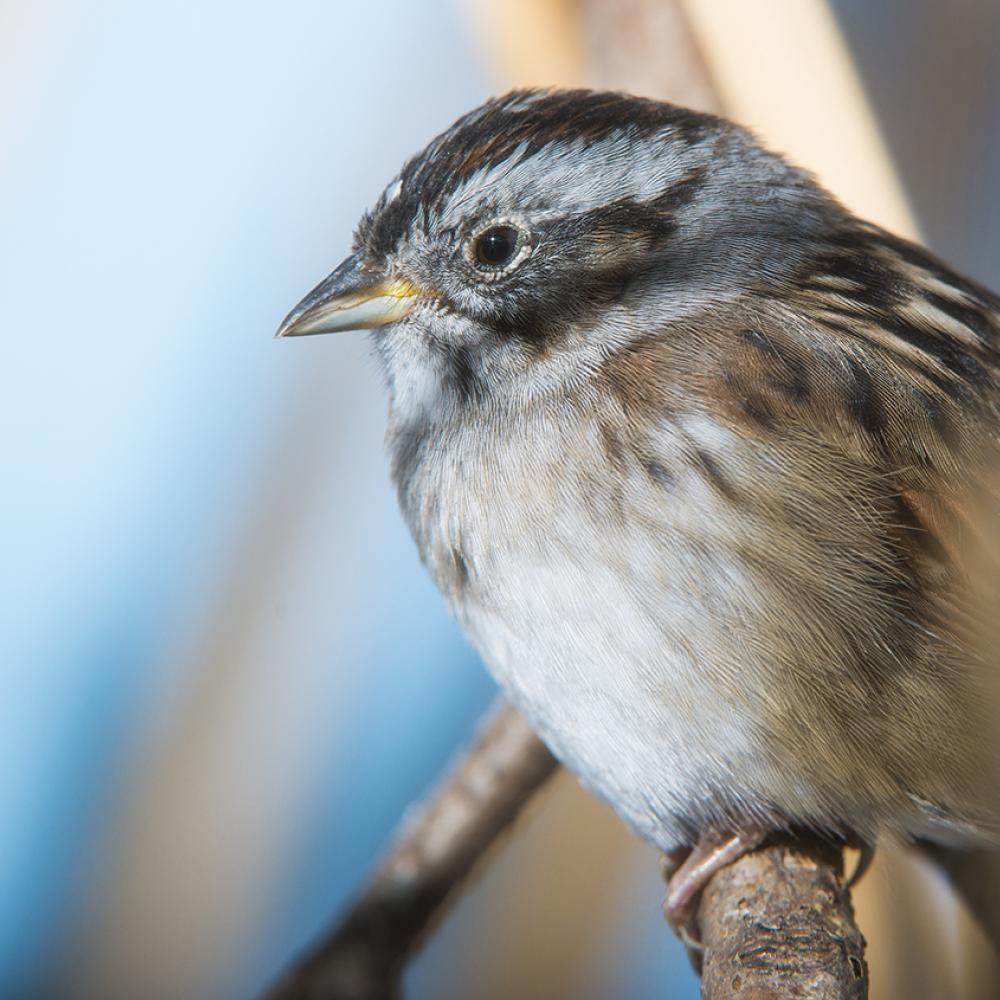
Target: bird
[(704, 466)]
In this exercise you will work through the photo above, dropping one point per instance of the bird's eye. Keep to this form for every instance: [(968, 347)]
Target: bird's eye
[(496, 246)]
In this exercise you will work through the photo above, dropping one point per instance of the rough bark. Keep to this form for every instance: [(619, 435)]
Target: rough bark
[(777, 924)]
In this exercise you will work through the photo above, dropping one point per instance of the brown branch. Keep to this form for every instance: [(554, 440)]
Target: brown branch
[(775, 924), (364, 955), (778, 923)]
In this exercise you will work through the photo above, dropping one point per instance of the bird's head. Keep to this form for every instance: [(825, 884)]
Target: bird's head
[(545, 228)]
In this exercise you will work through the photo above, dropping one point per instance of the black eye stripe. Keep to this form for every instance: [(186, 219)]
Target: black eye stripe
[(496, 246)]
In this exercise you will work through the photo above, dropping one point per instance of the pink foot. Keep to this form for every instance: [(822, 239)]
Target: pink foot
[(688, 875)]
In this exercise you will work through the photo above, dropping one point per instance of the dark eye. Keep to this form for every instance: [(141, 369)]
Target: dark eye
[(496, 246)]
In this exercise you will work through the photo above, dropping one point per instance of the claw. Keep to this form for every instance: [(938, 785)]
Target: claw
[(688, 872)]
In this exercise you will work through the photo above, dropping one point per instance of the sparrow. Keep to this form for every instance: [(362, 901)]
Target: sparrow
[(704, 466)]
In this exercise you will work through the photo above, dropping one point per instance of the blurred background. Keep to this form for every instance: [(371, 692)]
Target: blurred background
[(224, 672)]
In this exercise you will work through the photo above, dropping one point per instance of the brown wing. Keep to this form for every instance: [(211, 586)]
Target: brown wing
[(886, 351), (862, 500), (885, 366)]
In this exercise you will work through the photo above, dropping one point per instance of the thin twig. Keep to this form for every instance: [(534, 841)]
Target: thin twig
[(778, 923), (364, 955)]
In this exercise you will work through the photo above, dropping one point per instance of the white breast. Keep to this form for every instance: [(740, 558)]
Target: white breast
[(587, 598)]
